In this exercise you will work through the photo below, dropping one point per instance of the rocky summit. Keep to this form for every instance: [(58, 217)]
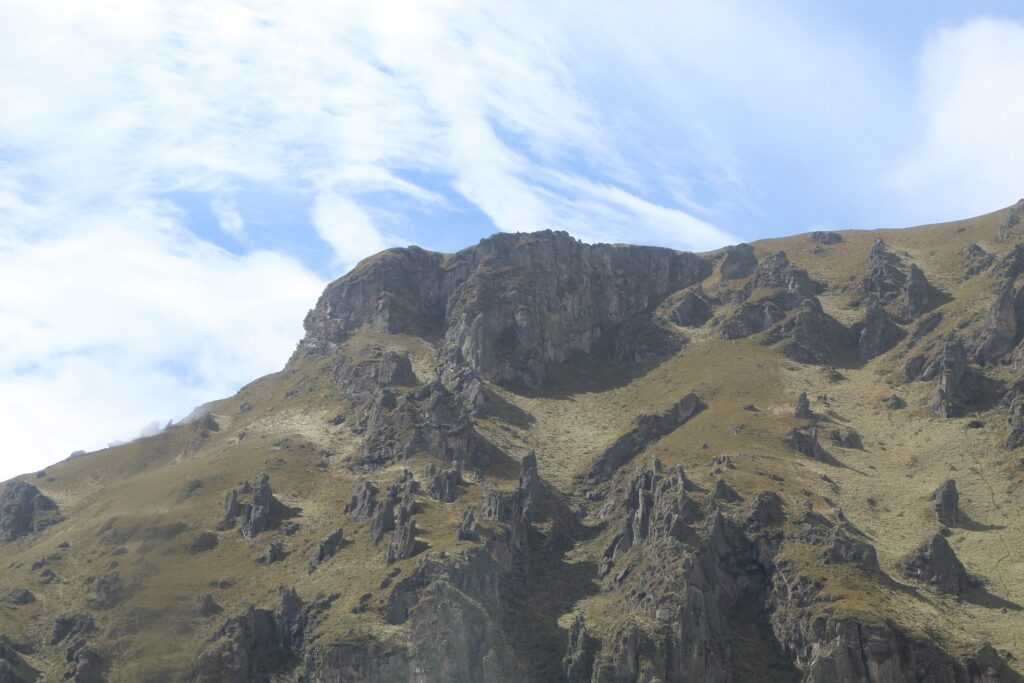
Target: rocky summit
[(541, 460)]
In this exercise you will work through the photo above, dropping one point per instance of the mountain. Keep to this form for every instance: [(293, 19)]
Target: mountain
[(541, 460)]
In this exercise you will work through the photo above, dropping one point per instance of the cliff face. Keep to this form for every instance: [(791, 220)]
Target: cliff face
[(512, 306), (541, 460)]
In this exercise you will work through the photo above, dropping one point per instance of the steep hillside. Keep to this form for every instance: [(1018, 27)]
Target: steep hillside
[(540, 460)]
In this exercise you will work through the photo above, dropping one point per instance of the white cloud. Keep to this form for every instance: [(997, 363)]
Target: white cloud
[(347, 228), (116, 325), (967, 160)]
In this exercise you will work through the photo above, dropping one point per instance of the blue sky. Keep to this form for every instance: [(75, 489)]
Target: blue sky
[(179, 180)]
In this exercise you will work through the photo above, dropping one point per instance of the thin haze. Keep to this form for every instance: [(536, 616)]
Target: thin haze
[(179, 180)]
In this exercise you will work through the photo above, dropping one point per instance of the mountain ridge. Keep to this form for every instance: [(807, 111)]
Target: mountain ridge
[(536, 459)]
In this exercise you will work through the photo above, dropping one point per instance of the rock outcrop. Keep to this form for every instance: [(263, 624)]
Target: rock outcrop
[(826, 237), (918, 295), (24, 510), (947, 501), (327, 548), (693, 309), (443, 485), (578, 663), (1001, 333), (739, 262), (361, 500), (803, 407), (885, 278), (878, 333), (804, 440), (935, 564), (810, 335), (948, 398), (501, 306), (253, 515), (646, 430)]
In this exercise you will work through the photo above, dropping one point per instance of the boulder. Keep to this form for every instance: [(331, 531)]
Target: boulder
[(71, 626), (947, 500), (840, 548), (803, 407), (444, 485), (403, 544), (935, 563), (206, 606), (1000, 334), (256, 514), (847, 437), (948, 398), (885, 277), (207, 540), (383, 520), (326, 549), (765, 510), (466, 530), (878, 333), (693, 309), (274, 553), (811, 335), (804, 440), (976, 259), (739, 262), (24, 510), (20, 596), (826, 237), (361, 500), (917, 295)]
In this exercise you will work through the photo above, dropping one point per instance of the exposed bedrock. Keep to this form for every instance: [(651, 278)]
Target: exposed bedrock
[(509, 307), (24, 510), (646, 430)]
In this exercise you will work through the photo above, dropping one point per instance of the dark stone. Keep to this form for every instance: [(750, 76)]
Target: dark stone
[(24, 510), (578, 663), (936, 564), (383, 520), (842, 549), (976, 259), (739, 262), (917, 295), (207, 540), (885, 278), (71, 626), (878, 333), (647, 429), (765, 510), (804, 440), (467, 527), (206, 606), (803, 407), (846, 437), (327, 548), (106, 592), (361, 500), (444, 485), (947, 401), (947, 500), (20, 596), (826, 237), (693, 309), (811, 335), (257, 513), (895, 402), (1000, 334), (403, 543), (723, 493), (275, 553), (395, 370)]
